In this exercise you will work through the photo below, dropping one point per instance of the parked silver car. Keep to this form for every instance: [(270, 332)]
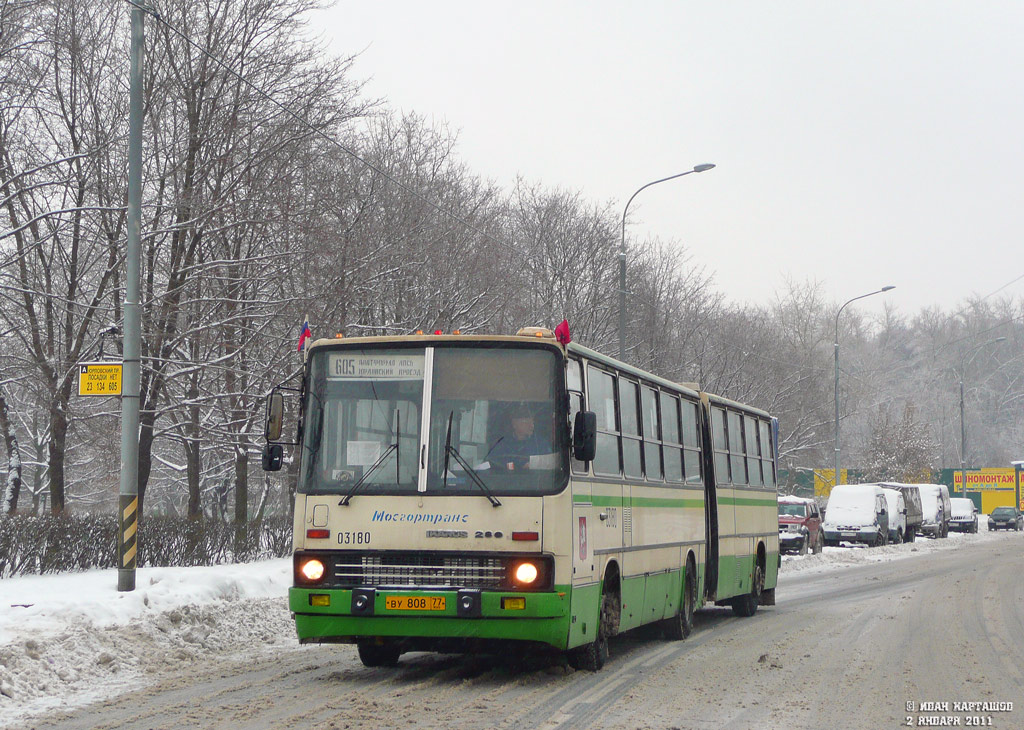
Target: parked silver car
[(964, 515)]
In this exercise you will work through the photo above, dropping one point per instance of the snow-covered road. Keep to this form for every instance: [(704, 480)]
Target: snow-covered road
[(70, 640)]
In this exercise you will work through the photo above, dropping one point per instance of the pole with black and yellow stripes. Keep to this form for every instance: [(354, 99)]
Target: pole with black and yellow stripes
[(128, 500)]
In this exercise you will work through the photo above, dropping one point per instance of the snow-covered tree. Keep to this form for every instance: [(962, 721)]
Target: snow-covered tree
[(901, 450)]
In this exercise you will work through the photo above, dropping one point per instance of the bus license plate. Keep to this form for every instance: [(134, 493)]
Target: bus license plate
[(414, 603)]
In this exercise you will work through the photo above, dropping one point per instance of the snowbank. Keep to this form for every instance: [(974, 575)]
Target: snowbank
[(836, 558), (68, 639)]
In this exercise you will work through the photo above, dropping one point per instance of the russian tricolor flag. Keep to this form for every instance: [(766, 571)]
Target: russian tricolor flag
[(305, 334)]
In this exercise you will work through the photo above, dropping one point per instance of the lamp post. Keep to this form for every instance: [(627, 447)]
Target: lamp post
[(963, 427), (835, 476), (1017, 467), (622, 254)]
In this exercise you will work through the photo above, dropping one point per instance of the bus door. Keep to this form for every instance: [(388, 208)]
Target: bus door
[(584, 523)]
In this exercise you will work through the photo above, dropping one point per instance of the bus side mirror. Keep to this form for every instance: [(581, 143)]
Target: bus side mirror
[(275, 416), (584, 436), (273, 455)]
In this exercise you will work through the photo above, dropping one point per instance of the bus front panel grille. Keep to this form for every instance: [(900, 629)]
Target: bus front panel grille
[(422, 570)]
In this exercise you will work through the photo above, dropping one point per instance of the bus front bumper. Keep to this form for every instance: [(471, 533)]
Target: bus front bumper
[(348, 615)]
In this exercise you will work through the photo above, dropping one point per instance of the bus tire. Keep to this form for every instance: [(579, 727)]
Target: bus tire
[(746, 606), (378, 655), (678, 627)]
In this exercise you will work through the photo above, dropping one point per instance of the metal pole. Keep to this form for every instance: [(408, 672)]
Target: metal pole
[(622, 291), (963, 441), (128, 497), (1017, 466), (835, 476), (963, 426), (622, 254)]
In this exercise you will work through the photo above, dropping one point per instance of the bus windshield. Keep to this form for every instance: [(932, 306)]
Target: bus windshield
[(490, 410)]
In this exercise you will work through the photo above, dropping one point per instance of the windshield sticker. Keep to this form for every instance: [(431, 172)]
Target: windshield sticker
[(342, 366), (427, 517), (362, 453)]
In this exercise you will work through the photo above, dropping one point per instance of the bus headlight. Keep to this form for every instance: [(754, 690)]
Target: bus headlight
[(526, 573), (312, 570)]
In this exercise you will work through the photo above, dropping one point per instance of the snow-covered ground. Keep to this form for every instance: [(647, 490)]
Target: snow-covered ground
[(69, 639)]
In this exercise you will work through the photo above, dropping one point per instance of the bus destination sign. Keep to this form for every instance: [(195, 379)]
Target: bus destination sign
[(376, 367), (99, 378)]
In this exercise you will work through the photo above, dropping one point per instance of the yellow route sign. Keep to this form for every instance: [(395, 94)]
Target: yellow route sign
[(99, 378)]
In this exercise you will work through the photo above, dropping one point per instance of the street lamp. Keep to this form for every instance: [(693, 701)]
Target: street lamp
[(622, 254), (963, 428), (835, 476)]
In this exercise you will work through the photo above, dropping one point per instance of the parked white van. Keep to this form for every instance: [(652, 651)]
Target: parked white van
[(857, 513), (897, 514), (935, 509)]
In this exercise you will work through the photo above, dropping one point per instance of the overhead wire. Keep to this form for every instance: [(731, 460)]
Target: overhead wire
[(1010, 283)]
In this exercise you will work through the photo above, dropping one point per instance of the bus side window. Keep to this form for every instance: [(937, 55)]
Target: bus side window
[(601, 395), (671, 438), (767, 456), (652, 433), (753, 460), (691, 442), (632, 466), (721, 446), (739, 467)]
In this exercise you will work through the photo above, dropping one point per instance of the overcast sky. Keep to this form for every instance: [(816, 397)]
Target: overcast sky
[(857, 144)]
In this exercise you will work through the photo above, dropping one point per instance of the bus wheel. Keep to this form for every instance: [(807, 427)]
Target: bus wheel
[(678, 627), (592, 656), (746, 605), (378, 655)]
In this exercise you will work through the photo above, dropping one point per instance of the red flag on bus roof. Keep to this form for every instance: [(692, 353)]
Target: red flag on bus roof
[(562, 332), (305, 334)]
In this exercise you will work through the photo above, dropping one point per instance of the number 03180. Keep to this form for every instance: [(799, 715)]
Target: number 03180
[(353, 538)]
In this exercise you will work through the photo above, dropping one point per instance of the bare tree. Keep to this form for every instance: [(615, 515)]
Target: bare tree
[(57, 132), (12, 485), (218, 142), (901, 450)]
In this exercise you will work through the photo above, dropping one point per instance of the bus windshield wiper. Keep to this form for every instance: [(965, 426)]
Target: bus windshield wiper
[(450, 450), (366, 475)]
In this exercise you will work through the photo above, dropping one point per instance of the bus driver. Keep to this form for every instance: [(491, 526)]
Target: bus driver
[(512, 451)]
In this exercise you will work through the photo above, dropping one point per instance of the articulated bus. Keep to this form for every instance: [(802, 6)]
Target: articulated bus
[(428, 519)]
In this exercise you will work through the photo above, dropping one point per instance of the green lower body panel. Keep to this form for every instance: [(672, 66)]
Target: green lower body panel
[(771, 576), (325, 615), (735, 574)]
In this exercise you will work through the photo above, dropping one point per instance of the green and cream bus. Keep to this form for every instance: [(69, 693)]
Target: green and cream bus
[(423, 522)]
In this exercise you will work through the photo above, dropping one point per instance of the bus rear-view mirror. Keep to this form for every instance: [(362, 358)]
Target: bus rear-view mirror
[(275, 416), (584, 436)]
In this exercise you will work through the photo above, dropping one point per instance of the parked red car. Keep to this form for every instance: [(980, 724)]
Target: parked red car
[(800, 526)]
